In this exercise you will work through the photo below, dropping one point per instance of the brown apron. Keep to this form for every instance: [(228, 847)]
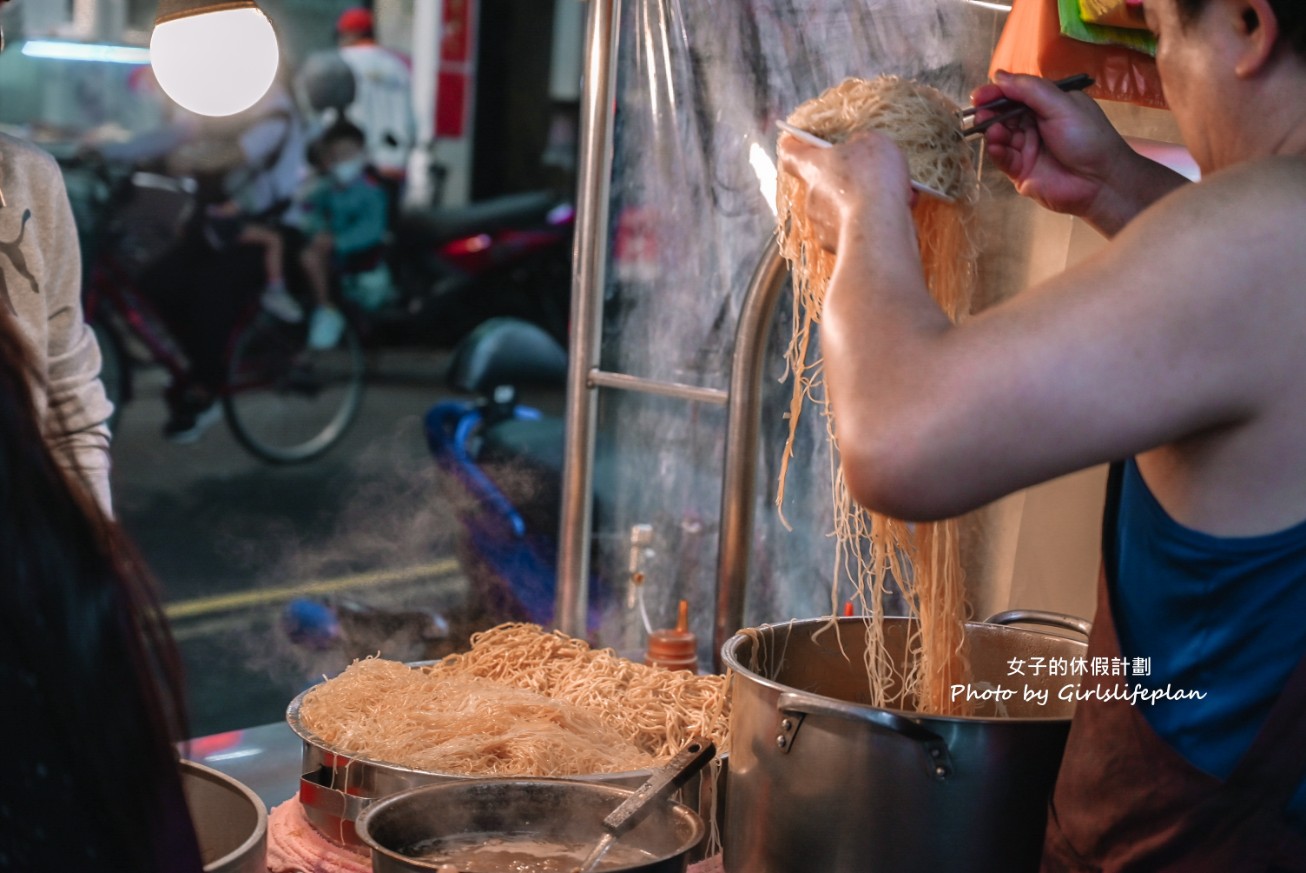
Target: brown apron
[(1126, 801)]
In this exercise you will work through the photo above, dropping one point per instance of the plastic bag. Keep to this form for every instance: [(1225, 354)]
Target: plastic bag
[(1074, 26), (1113, 13), (1032, 42)]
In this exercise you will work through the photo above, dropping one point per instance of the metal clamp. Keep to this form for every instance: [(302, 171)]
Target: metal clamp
[(789, 725), (332, 813), (331, 801), (795, 705)]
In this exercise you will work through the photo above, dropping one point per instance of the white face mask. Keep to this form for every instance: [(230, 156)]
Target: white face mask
[(348, 172)]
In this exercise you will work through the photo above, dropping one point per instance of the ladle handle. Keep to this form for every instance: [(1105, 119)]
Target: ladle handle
[(675, 773)]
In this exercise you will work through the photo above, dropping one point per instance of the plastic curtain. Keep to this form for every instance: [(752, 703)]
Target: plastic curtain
[(700, 85)]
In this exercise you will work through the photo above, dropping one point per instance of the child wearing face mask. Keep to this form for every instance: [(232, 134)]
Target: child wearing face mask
[(344, 217)]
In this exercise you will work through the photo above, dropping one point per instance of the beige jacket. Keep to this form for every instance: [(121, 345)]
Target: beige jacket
[(41, 276)]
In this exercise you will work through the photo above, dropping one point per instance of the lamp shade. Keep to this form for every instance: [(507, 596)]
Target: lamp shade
[(213, 58)]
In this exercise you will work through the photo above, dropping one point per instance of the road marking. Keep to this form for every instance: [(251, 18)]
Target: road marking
[(261, 596)]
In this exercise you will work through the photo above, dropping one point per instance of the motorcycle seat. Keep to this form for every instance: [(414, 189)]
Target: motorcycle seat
[(506, 351), (441, 224)]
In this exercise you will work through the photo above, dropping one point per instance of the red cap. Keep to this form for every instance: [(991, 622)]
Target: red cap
[(355, 20)]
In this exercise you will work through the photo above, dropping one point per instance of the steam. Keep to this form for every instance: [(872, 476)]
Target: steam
[(703, 84), (379, 556)]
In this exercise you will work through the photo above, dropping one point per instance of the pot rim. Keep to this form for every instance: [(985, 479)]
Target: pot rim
[(698, 828), (729, 657)]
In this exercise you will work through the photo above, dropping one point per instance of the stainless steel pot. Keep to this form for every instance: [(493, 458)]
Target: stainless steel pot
[(555, 810), (819, 780), (335, 787)]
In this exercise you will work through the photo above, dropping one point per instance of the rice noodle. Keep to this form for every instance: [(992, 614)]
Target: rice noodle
[(872, 549), (521, 702)]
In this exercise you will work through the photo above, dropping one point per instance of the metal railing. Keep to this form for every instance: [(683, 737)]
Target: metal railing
[(584, 378)]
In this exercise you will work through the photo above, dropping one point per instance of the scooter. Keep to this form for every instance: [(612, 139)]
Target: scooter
[(503, 461)]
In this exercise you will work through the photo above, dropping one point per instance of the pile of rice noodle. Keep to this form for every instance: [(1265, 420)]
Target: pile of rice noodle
[(521, 702), (924, 559)]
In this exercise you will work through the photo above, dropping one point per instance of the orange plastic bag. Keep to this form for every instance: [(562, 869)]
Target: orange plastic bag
[(1031, 42)]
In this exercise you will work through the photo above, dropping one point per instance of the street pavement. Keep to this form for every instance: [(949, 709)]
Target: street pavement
[(232, 540)]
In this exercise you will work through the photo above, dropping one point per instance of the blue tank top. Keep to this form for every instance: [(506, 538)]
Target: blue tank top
[(1224, 616)]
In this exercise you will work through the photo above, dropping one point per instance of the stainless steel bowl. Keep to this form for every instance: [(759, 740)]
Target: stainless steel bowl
[(554, 810), (230, 820)]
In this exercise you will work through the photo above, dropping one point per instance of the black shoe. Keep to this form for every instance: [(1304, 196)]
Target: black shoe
[(189, 419)]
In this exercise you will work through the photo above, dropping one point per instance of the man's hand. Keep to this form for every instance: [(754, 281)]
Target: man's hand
[(849, 182), (1063, 153)]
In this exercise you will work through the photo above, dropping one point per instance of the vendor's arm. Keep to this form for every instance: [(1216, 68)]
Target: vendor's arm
[(1065, 155), (1182, 329)]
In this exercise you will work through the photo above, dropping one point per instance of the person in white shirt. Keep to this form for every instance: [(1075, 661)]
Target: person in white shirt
[(383, 96)]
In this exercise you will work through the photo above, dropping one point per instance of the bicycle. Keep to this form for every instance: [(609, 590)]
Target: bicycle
[(283, 402)]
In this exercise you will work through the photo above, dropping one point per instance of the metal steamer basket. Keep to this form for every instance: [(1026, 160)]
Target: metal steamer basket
[(336, 787), (820, 780)]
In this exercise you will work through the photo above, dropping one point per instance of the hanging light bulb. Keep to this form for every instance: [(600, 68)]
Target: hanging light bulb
[(214, 57)]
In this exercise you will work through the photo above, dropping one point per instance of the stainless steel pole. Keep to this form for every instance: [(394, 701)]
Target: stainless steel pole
[(589, 277), (677, 390), (743, 420)]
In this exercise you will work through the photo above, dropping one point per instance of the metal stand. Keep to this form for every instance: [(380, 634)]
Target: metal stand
[(584, 378)]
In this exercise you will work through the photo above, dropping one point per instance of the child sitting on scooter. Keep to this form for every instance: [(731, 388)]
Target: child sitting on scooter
[(344, 215)]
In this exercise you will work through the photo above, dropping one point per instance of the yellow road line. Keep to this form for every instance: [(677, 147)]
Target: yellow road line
[(261, 596)]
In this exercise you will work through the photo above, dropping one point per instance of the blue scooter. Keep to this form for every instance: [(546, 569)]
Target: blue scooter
[(504, 464)]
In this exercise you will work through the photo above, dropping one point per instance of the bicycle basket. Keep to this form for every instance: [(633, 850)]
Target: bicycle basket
[(148, 222)]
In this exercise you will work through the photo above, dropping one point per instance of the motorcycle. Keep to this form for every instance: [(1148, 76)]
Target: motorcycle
[(455, 267), (452, 267)]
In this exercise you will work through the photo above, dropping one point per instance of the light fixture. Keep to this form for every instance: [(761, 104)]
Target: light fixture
[(214, 57), (85, 51)]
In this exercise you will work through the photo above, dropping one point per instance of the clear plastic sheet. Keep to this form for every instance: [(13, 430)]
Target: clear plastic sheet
[(700, 85)]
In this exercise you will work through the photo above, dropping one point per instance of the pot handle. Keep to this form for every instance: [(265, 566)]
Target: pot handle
[(801, 704), (1038, 616), (314, 795)]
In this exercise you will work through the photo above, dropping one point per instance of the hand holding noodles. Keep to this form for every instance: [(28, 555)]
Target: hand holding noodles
[(923, 560)]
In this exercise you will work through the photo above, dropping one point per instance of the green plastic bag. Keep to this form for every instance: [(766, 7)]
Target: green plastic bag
[(1075, 27)]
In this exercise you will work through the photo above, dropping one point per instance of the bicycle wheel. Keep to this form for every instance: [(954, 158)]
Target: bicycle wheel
[(288, 403)]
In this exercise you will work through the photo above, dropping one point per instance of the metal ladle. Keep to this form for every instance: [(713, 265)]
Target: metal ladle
[(675, 773)]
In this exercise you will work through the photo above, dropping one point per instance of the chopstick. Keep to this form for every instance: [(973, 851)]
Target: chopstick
[(1071, 83), (813, 139)]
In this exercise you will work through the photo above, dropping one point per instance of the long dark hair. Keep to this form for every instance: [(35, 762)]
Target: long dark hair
[(84, 629)]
